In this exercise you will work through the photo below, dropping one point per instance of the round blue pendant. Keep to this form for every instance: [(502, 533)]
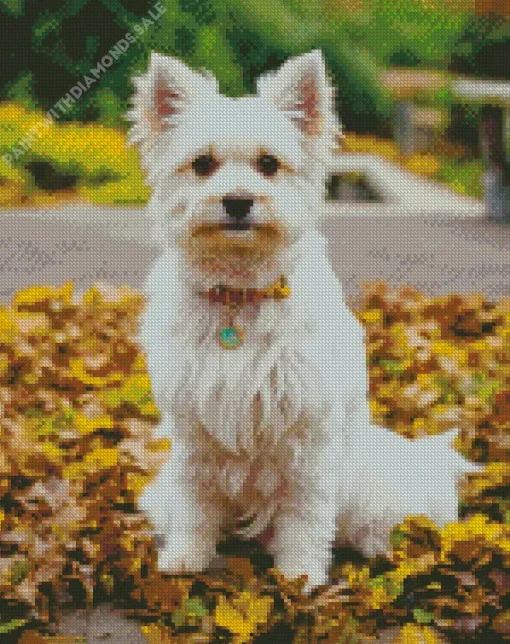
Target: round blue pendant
[(230, 337)]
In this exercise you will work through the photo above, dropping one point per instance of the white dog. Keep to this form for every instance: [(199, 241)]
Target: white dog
[(265, 402)]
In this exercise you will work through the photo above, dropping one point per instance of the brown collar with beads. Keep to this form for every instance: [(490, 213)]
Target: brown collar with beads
[(230, 295), (229, 335)]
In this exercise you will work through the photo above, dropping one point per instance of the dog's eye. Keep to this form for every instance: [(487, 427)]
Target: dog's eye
[(205, 165), (268, 164)]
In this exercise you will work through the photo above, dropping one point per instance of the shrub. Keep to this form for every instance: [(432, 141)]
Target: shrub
[(91, 161)]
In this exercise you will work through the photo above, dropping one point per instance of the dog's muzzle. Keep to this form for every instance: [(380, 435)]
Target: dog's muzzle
[(238, 209)]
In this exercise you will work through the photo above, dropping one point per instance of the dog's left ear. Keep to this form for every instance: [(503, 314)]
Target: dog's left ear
[(302, 90)]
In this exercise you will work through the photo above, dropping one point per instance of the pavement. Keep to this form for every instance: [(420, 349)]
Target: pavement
[(436, 252)]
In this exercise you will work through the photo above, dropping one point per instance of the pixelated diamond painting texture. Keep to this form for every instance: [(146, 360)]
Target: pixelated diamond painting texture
[(416, 214)]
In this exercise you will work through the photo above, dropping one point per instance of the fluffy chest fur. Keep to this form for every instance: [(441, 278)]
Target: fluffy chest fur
[(277, 385)]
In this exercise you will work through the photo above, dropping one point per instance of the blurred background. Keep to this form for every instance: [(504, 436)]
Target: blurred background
[(397, 65)]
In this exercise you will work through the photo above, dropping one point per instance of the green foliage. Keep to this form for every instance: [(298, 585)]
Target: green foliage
[(14, 7), (213, 52), (110, 108), (407, 32), (482, 48), (12, 625), (19, 571), (21, 90), (192, 609), (463, 176), (58, 43), (422, 616)]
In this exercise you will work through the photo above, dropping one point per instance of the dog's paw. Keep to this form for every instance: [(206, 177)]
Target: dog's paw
[(316, 575), (181, 561), (372, 545)]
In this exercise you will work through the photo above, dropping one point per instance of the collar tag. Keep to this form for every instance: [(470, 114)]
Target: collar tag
[(232, 336)]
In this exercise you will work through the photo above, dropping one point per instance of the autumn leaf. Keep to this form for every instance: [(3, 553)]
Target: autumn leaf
[(36, 294), (86, 425), (157, 634), (19, 571), (413, 634), (77, 369), (12, 625), (8, 326), (135, 390), (242, 614)]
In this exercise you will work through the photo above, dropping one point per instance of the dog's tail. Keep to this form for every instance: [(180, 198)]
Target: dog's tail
[(445, 443)]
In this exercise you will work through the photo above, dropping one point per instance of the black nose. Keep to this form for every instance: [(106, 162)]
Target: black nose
[(237, 207)]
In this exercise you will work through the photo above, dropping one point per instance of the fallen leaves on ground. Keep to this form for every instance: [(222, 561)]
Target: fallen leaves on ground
[(77, 446)]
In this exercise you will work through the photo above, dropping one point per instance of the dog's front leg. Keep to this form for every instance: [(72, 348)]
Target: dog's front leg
[(179, 504), (304, 528)]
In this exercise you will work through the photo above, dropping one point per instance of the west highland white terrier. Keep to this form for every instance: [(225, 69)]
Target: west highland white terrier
[(256, 363)]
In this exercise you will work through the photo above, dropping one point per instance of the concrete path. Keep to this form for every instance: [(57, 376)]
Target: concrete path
[(439, 253), (102, 625), (436, 254)]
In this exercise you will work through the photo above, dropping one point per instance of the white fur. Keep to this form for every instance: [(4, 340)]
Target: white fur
[(277, 430)]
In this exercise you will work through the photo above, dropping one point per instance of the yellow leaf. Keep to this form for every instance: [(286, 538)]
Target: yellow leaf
[(74, 471), (423, 164), (425, 379), (242, 614), (40, 293), (160, 445), (4, 363), (87, 425), (96, 460), (101, 458), (377, 409), (420, 424), (92, 296), (156, 634), (417, 634), (136, 482), (52, 452), (468, 538), (78, 370), (126, 541), (8, 327), (372, 316)]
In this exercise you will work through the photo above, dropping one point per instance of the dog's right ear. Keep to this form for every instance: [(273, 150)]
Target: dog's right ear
[(161, 95)]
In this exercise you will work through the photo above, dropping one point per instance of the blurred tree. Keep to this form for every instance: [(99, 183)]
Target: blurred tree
[(48, 47), (54, 44), (483, 48)]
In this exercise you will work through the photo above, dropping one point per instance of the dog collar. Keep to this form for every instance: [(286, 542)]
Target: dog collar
[(231, 336)]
